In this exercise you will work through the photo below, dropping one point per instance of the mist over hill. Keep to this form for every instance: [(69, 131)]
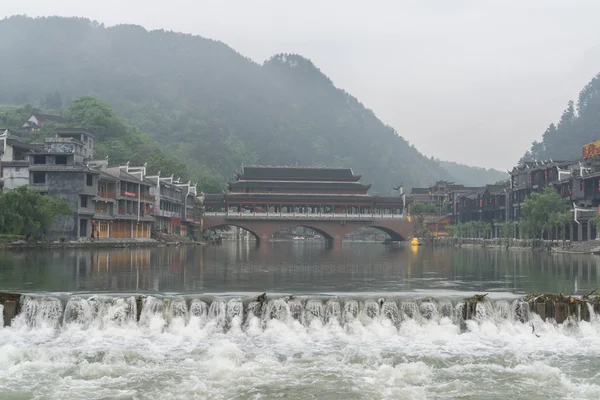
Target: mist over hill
[(206, 105)]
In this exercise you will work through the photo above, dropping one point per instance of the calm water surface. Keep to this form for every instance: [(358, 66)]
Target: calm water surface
[(360, 324), (294, 267)]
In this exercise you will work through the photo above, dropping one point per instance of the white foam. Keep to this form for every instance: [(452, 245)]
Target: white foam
[(167, 357)]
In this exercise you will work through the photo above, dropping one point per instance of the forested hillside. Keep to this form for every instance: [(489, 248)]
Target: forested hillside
[(473, 176), (578, 125), (204, 104)]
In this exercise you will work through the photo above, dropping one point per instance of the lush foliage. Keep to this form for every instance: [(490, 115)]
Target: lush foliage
[(471, 229), (420, 208), (202, 102), (541, 210), (25, 210), (117, 140), (578, 125)]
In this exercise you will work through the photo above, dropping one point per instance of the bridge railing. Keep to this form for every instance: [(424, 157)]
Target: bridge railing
[(264, 215)]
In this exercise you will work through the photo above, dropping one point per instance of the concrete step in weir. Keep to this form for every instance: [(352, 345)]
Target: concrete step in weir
[(549, 307)]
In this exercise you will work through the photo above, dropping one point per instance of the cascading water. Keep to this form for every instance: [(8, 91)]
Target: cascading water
[(429, 310), (235, 311), (409, 309), (446, 309), (483, 310), (371, 309), (217, 312), (389, 310), (333, 311), (77, 311), (521, 310), (41, 311), (502, 310), (350, 310), (296, 309), (276, 309), (101, 312), (178, 312), (313, 311), (153, 312), (198, 313), (294, 336)]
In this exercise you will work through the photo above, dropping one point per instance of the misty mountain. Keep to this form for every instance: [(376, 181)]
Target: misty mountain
[(473, 176), (578, 125), (205, 104)]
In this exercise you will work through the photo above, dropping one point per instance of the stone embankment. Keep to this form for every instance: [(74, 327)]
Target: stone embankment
[(101, 243), (559, 246)]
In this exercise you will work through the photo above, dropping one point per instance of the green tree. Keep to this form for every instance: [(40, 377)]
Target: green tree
[(538, 211), (421, 209), (507, 232), (24, 210)]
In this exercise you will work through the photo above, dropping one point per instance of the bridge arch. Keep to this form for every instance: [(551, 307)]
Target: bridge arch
[(226, 224), (394, 235), (326, 235)]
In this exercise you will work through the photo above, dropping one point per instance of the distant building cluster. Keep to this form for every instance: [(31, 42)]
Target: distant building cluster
[(578, 183), (108, 202)]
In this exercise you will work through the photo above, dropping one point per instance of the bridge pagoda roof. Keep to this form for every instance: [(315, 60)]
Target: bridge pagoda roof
[(282, 173), (298, 184)]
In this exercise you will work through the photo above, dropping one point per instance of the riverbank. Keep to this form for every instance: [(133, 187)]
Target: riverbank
[(557, 246), (99, 243)]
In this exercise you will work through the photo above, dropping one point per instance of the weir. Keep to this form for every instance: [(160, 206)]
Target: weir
[(102, 311)]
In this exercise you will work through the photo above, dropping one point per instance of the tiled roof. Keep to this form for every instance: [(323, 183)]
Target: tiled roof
[(124, 176), (15, 142), (49, 117), (441, 217), (299, 184), (108, 177), (63, 168), (17, 163), (298, 174)]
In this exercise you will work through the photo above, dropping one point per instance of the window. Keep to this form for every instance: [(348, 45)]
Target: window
[(90, 179), (39, 159), (60, 160), (83, 201), (39, 177)]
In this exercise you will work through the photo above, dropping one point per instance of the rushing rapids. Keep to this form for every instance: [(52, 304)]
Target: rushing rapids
[(347, 347), (102, 311)]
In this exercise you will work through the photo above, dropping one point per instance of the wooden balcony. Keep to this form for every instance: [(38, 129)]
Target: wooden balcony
[(147, 197), (107, 195)]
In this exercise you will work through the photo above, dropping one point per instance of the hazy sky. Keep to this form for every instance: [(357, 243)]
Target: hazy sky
[(473, 81)]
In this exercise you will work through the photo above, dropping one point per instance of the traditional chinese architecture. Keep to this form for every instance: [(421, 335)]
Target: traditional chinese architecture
[(577, 182), (268, 199)]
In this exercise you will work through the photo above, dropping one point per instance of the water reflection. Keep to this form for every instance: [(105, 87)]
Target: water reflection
[(297, 267)]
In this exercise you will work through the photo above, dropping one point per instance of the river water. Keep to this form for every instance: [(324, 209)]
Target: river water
[(361, 321)]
